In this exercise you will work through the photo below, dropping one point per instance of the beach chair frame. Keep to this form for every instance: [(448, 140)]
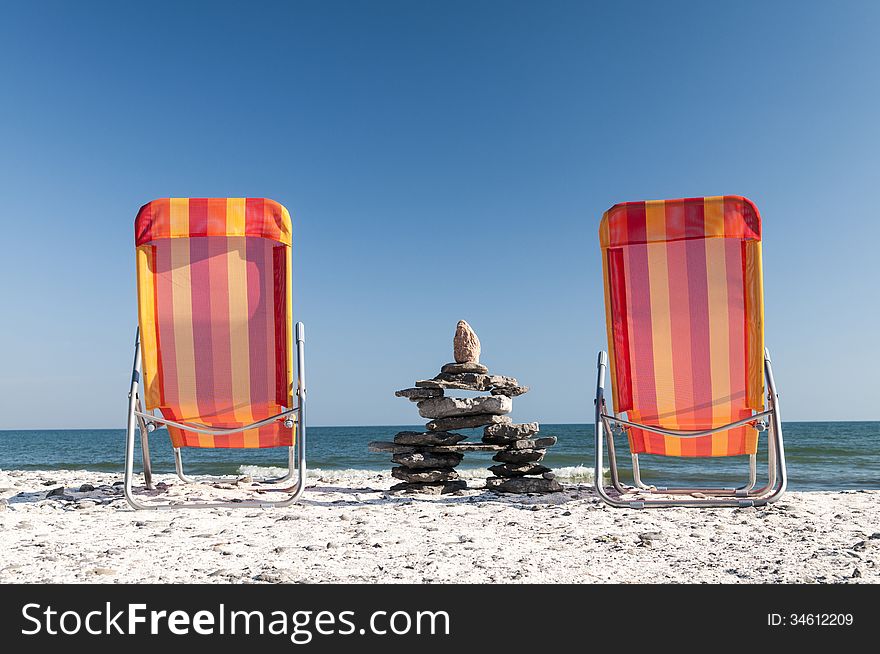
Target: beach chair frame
[(139, 419), (743, 496)]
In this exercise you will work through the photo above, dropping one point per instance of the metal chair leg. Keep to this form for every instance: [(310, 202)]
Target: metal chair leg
[(776, 456), (295, 492)]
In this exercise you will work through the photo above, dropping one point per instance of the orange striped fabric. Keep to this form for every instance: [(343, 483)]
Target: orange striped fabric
[(685, 319), (214, 315)]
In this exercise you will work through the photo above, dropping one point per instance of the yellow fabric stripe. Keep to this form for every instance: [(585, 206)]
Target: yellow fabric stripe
[(751, 441), (720, 443), (179, 217), (291, 336), (719, 330), (235, 216), (713, 213), (252, 438), (661, 320), (672, 445), (719, 326), (205, 440), (754, 326), (181, 301), (286, 228), (604, 231), (147, 321), (236, 270)]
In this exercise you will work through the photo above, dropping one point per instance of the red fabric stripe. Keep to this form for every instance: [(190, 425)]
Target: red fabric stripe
[(636, 223), (268, 293), (642, 339), (680, 323), (279, 268), (694, 217), (741, 218), (198, 217), (676, 219), (165, 326), (257, 321), (143, 224), (620, 329), (254, 216), (216, 216)]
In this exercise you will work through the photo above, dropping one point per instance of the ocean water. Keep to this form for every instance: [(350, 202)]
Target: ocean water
[(820, 455)]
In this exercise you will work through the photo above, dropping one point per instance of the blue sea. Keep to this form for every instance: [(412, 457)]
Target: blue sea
[(820, 455)]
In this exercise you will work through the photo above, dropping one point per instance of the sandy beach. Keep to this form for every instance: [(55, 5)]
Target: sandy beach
[(349, 528)]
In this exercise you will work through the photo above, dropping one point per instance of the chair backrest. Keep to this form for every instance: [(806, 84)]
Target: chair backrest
[(215, 318), (685, 319)]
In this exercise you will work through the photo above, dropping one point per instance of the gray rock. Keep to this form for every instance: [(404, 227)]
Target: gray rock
[(501, 380), (439, 488), (467, 447), (427, 438), (3, 504), (427, 475), (467, 382), (430, 383), (466, 422), (519, 456), (509, 433), (532, 443), (458, 368), (416, 394), (523, 485), (518, 469), (510, 391), (59, 493), (385, 446), (648, 536), (428, 460), (549, 475), (86, 488), (465, 345), (448, 407)]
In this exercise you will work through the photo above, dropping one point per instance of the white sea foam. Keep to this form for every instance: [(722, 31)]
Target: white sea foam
[(261, 471), (311, 473), (574, 474)]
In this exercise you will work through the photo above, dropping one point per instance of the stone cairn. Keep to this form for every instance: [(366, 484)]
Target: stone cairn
[(426, 460)]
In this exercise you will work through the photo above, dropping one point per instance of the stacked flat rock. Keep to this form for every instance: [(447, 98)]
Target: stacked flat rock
[(426, 460), (519, 468)]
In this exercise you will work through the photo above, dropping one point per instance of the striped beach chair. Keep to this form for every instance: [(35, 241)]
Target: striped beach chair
[(684, 312), (214, 348)]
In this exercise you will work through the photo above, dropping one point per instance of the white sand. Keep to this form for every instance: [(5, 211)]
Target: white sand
[(349, 529)]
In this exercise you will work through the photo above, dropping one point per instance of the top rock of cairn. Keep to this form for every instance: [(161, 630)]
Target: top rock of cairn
[(465, 345)]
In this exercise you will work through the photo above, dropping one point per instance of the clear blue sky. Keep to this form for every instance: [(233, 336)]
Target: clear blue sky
[(442, 160)]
